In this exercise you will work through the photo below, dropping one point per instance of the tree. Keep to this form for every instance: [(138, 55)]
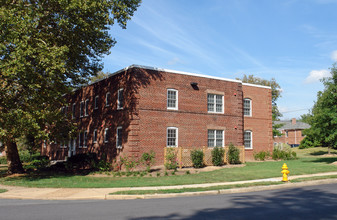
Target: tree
[(47, 48), (100, 75), (275, 94), (323, 120)]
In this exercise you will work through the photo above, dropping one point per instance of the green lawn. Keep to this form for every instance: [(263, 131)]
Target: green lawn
[(252, 170)]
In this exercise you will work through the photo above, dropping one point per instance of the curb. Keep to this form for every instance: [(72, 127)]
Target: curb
[(222, 191)]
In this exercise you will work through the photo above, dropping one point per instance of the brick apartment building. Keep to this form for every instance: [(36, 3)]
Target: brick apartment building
[(292, 132), (138, 109)]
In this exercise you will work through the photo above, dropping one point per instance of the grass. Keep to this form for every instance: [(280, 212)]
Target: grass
[(3, 190), (199, 189), (307, 164)]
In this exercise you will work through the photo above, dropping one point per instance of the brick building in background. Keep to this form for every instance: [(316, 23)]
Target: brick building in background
[(139, 109), (292, 132)]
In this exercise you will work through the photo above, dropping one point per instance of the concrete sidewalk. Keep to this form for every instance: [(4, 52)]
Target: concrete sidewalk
[(103, 193)]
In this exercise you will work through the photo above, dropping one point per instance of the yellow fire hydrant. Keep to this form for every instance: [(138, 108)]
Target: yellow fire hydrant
[(285, 172)]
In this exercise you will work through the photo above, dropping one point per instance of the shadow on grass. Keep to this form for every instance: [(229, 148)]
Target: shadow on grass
[(327, 160), (321, 152)]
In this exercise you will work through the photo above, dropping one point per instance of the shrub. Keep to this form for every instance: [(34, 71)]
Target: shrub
[(218, 156), (262, 155), (148, 160), (283, 152), (103, 165), (82, 161), (129, 163), (197, 157), (233, 154), (39, 162), (308, 142), (171, 159)]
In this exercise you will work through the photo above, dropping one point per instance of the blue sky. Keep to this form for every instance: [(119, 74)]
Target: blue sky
[(293, 41)]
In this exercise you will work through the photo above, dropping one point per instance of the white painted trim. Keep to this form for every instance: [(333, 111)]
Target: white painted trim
[(250, 107), (254, 85), (177, 132), (86, 104), (168, 71), (251, 139), (118, 103), (105, 135), (93, 136), (96, 102), (172, 108), (118, 128)]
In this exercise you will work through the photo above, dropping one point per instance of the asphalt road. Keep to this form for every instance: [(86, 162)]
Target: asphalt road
[(312, 202)]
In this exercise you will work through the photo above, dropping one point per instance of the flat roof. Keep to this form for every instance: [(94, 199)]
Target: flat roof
[(182, 73)]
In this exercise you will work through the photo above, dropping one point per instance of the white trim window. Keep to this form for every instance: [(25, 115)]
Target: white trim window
[(215, 103), (85, 139), (215, 138), (248, 139), (86, 107), (81, 109), (80, 140), (172, 137), (247, 107), (94, 135), (106, 135), (172, 99), (96, 102), (120, 98), (107, 99), (74, 111), (119, 137)]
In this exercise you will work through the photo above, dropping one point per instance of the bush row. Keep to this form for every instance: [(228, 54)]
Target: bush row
[(280, 152)]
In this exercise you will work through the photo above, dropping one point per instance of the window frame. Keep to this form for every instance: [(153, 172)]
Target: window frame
[(96, 102), (85, 139), (215, 103), (86, 107), (107, 99), (106, 135), (176, 136), (81, 109), (94, 136), (176, 99), (250, 107), (251, 139), (120, 99), (215, 138), (119, 138), (80, 141)]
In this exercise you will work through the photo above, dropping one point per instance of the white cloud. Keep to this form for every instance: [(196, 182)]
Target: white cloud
[(316, 75), (334, 55)]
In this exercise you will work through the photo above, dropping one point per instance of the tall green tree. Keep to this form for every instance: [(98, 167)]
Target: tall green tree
[(275, 94), (323, 119), (47, 48)]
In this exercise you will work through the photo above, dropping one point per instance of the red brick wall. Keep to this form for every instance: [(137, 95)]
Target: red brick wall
[(260, 123), (145, 117), (191, 118)]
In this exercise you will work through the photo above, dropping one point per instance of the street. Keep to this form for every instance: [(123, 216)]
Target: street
[(312, 202)]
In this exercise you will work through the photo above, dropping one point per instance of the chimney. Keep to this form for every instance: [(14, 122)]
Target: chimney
[(293, 121)]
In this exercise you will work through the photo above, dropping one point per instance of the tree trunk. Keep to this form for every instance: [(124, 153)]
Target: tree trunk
[(329, 150), (13, 158)]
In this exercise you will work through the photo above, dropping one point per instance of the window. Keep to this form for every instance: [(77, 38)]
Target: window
[(44, 144), (172, 137), (85, 135), (119, 137), (172, 99), (120, 100), (106, 135), (95, 136), (80, 139), (215, 138), (86, 107), (107, 99), (215, 103), (74, 110), (96, 103), (247, 107), (248, 141), (81, 109), (286, 133)]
